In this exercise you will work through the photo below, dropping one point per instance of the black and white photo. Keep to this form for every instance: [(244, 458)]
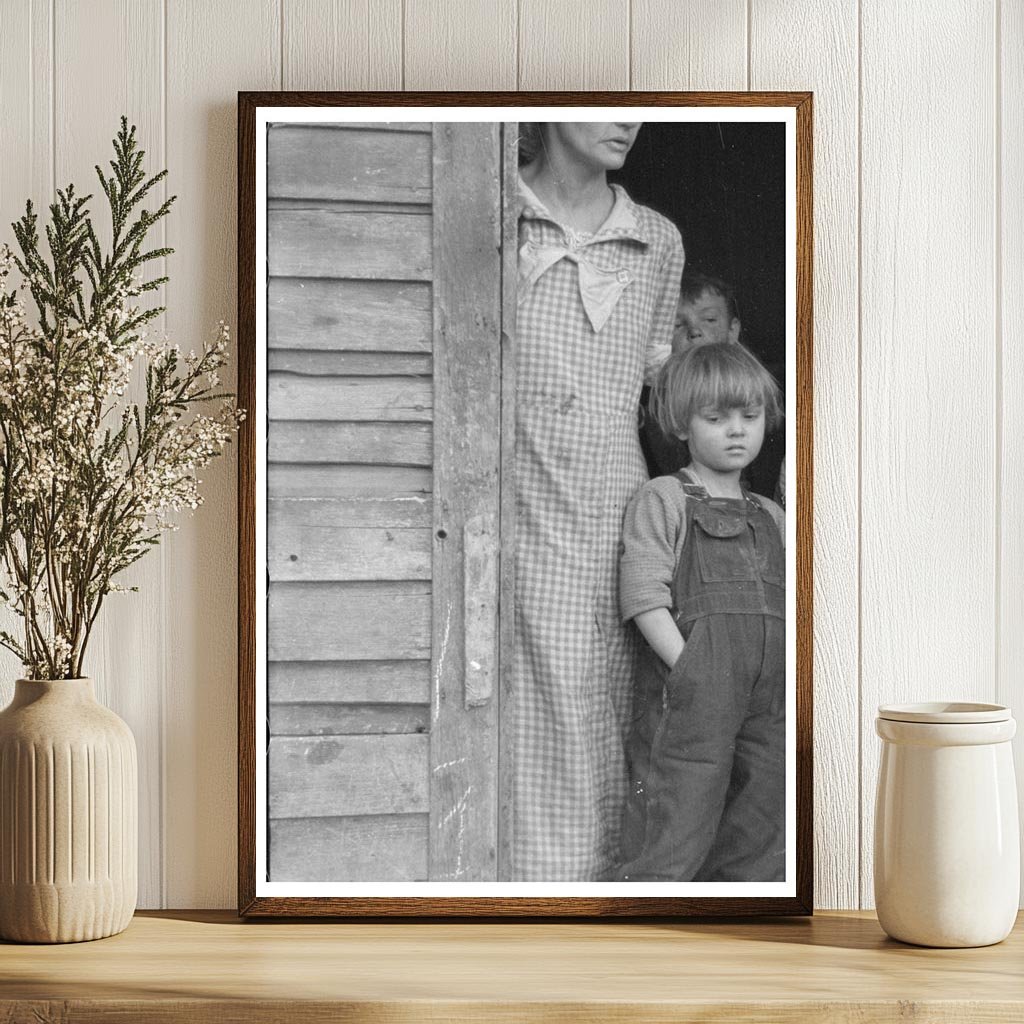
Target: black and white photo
[(524, 545)]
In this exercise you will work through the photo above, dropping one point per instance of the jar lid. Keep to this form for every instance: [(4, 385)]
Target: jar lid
[(945, 712)]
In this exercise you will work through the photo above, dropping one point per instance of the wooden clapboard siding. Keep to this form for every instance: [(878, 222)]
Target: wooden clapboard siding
[(367, 166), (348, 719), (382, 848), (322, 243), (290, 397), (354, 682), (337, 776), (312, 481), (350, 316), (348, 622), (318, 363), (362, 126), (374, 443), (370, 576), (349, 480), (397, 510), (312, 553), (349, 512)]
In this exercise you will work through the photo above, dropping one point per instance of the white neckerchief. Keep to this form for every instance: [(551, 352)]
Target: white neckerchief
[(600, 287)]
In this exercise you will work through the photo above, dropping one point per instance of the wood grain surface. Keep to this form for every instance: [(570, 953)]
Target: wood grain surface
[(701, 44), (227, 46), (833, 76), (85, 122), (1009, 276), (467, 255), (836, 968), (341, 44), (928, 565), (468, 45)]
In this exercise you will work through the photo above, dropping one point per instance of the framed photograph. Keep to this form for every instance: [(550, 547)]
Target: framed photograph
[(525, 504)]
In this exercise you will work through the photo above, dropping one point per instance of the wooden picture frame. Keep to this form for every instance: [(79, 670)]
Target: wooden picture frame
[(450, 579)]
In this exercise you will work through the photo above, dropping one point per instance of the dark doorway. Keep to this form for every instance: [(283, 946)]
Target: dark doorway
[(723, 185)]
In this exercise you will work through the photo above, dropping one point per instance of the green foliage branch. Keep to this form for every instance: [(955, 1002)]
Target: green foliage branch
[(89, 478)]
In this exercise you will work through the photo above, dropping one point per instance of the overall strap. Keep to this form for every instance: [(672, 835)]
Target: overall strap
[(690, 489), (699, 491)]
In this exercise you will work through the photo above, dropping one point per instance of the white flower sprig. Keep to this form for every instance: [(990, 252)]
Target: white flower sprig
[(88, 479)]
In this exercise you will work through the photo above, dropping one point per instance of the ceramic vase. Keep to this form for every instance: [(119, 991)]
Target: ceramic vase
[(947, 847), (68, 815)]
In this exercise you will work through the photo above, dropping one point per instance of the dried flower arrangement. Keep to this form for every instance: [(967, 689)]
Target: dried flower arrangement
[(89, 478)]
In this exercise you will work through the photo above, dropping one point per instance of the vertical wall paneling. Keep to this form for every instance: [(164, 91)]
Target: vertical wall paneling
[(122, 657), (26, 69), (1010, 263), (26, 108), (213, 51), (696, 45), (780, 59), (342, 44), (468, 45), (940, 302), (928, 514), (574, 44)]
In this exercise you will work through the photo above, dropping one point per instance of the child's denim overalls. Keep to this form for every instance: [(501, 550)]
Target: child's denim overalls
[(707, 750)]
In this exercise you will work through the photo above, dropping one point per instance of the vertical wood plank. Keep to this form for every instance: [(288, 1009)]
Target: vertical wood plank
[(26, 72), (467, 387), (213, 50), (506, 625), (800, 45), (1010, 315), (468, 45), (928, 370), (26, 120), (574, 44), (342, 44), (125, 655), (701, 44)]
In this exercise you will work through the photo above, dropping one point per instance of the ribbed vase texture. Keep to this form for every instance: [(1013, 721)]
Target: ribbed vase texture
[(68, 815)]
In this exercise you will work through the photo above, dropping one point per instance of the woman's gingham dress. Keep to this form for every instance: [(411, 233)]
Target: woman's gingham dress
[(595, 318)]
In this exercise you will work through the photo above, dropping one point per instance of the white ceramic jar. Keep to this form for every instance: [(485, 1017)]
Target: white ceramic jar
[(947, 847)]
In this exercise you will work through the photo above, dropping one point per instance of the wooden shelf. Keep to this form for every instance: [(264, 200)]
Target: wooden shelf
[(210, 967)]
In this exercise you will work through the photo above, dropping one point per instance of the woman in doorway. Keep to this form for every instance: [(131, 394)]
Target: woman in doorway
[(598, 285)]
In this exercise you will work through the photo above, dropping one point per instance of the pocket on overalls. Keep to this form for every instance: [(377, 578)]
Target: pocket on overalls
[(679, 683), (724, 547)]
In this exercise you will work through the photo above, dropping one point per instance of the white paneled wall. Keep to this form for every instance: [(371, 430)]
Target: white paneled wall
[(919, 326)]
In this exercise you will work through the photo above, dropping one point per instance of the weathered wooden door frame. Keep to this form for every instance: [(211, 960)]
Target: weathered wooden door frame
[(467, 373)]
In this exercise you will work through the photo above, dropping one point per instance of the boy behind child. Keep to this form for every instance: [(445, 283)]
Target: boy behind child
[(703, 577), (707, 311)]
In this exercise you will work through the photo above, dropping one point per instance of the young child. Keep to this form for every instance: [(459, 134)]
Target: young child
[(706, 311), (703, 577)]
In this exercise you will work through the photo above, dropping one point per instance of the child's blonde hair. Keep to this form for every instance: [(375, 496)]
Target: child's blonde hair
[(715, 375)]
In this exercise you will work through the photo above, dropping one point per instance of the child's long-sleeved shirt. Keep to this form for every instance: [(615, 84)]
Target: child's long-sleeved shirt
[(652, 542)]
